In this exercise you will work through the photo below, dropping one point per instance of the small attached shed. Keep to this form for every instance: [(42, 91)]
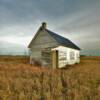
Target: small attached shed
[(52, 50)]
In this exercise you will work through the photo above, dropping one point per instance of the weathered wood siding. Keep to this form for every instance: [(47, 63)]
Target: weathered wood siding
[(64, 56), (46, 56), (42, 40)]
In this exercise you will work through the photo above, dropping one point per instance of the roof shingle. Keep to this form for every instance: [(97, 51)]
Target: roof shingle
[(63, 41)]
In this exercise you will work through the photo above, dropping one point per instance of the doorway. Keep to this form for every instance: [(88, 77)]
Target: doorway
[(55, 59)]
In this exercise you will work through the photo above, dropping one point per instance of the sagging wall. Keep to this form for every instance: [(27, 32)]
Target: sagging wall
[(67, 56)]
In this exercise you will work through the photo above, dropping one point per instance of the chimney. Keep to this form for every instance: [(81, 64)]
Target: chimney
[(44, 25)]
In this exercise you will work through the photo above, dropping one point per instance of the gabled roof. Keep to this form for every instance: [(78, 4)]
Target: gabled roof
[(60, 39), (63, 41)]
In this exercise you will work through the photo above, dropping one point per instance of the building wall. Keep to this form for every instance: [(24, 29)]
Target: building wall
[(43, 40), (67, 56)]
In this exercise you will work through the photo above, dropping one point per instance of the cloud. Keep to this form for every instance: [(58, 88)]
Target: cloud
[(77, 20), (16, 40)]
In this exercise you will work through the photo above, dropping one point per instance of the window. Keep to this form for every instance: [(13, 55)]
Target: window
[(77, 55), (62, 58), (72, 55), (62, 55)]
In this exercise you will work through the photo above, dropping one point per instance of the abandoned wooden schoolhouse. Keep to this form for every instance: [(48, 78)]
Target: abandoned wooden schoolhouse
[(52, 50)]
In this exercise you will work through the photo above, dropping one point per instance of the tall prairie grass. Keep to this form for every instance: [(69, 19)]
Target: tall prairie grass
[(21, 81)]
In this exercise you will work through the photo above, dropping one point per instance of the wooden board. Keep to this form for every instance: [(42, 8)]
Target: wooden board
[(46, 56), (55, 59)]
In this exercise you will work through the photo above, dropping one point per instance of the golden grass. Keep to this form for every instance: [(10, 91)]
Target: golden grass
[(21, 81)]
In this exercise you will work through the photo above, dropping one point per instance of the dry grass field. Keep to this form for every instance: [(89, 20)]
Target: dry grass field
[(21, 81)]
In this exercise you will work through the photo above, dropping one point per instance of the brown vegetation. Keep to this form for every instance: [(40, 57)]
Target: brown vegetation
[(21, 81)]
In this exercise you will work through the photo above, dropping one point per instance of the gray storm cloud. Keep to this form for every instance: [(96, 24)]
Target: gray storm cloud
[(78, 20)]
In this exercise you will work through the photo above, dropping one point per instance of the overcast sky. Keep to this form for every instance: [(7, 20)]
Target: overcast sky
[(78, 20)]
